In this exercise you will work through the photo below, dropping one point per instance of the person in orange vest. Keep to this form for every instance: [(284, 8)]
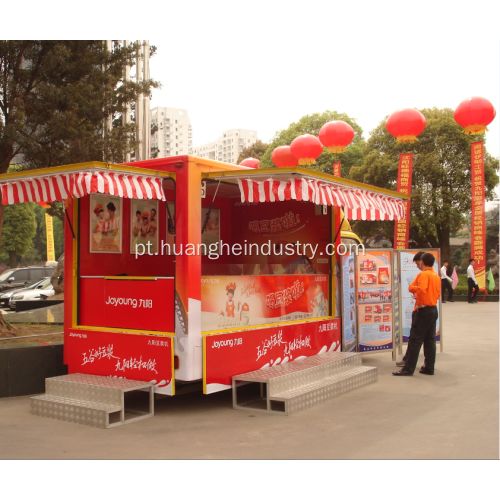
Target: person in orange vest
[(423, 331)]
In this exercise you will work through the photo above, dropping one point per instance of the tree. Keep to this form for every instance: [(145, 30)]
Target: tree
[(56, 98), (256, 150), (19, 227), (311, 124), (441, 184)]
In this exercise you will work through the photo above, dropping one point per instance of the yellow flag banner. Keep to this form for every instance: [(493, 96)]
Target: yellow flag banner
[(49, 230), (478, 229)]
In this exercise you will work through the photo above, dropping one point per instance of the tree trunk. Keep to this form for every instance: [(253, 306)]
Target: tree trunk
[(445, 243), (12, 259), (2, 212)]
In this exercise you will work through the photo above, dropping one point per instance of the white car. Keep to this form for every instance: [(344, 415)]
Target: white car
[(45, 288)]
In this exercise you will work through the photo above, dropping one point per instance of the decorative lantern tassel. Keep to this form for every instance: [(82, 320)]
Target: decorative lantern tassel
[(307, 161), (475, 129), (336, 149), (407, 138)]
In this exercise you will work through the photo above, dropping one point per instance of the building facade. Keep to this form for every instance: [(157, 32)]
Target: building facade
[(228, 146), (174, 135)]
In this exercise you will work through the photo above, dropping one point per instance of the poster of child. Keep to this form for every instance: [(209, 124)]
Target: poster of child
[(144, 225), (105, 224), (319, 303)]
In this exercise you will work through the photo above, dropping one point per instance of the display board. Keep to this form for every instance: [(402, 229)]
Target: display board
[(408, 272), (230, 302), (230, 354), (396, 303), (348, 295), (146, 358), (374, 280)]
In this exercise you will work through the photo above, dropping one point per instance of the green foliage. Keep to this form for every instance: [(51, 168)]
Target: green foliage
[(19, 227), (256, 150), (55, 97), (441, 185), (311, 124)]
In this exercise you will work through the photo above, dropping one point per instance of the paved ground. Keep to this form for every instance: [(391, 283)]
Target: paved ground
[(452, 415)]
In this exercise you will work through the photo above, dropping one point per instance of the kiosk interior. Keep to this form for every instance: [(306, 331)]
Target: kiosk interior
[(190, 269)]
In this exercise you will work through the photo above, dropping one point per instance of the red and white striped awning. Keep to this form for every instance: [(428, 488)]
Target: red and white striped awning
[(59, 187), (358, 204)]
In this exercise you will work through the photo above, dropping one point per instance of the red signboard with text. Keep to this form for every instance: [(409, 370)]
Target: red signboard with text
[(146, 358), (235, 353), (478, 231), (235, 301), (402, 227), (336, 169), (132, 304)]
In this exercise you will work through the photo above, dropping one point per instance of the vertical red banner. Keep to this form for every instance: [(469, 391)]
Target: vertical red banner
[(478, 223), (402, 227), (336, 169)]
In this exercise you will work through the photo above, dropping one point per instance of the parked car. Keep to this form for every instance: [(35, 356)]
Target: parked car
[(47, 290), (24, 276), (5, 296)]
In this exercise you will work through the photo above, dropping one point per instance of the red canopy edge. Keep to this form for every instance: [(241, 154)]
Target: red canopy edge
[(358, 204), (59, 187)]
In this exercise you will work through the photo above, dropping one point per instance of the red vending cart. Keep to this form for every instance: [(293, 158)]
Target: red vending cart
[(184, 269)]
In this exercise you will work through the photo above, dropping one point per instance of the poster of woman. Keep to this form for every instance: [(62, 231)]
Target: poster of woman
[(105, 224), (144, 225)]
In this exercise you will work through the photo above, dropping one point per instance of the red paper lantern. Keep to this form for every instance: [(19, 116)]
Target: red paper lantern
[(282, 157), (250, 162), (336, 135), (474, 114), (406, 124), (306, 148)]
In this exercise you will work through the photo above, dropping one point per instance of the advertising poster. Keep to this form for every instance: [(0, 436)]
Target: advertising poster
[(374, 300), (105, 224), (211, 234), (145, 358), (349, 304), (144, 225), (240, 352), (237, 301), (395, 289), (409, 271), (478, 236)]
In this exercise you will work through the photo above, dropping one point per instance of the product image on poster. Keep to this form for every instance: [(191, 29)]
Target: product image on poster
[(106, 217), (238, 301), (211, 234), (373, 295), (409, 271), (349, 304), (144, 226)]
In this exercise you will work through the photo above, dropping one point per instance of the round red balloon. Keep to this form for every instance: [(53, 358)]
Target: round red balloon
[(282, 157), (250, 162), (406, 124), (475, 114), (306, 148), (336, 135)]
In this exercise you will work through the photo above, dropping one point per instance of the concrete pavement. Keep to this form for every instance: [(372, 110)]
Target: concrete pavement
[(451, 415)]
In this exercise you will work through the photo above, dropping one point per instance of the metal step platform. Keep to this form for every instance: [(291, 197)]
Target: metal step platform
[(301, 384), (93, 400)]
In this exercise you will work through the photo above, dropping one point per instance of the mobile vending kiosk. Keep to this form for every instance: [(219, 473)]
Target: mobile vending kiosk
[(184, 269)]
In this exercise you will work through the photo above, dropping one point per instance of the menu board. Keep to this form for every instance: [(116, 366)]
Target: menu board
[(409, 272), (374, 300), (395, 289), (348, 304)]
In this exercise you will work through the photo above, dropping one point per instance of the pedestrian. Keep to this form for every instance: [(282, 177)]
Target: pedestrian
[(417, 259), (472, 282), (423, 330), (446, 282)]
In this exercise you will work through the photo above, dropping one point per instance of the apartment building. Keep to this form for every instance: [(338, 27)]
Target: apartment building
[(174, 135), (228, 146)]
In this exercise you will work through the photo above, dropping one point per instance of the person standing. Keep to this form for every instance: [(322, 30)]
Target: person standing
[(417, 259), (423, 330), (446, 282), (472, 282)]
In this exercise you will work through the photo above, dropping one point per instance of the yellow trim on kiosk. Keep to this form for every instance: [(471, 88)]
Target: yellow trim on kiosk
[(74, 277), (268, 325), (204, 346), (75, 167), (173, 368), (127, 331), (304, 171)]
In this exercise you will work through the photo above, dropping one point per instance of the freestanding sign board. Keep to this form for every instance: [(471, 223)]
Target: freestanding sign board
[(374, 282), (348, 295), (408, 271)]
